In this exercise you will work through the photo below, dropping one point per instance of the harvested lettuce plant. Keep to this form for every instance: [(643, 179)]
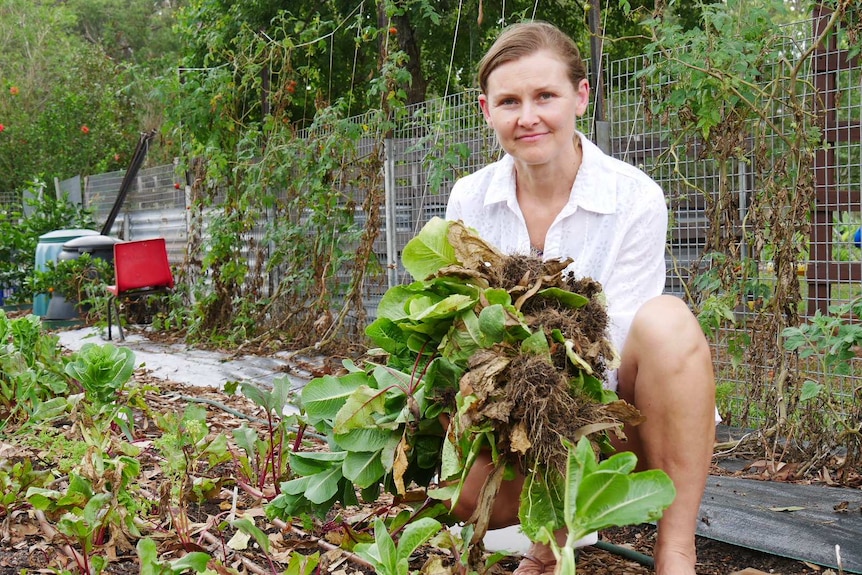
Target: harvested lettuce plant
[(482, 351)]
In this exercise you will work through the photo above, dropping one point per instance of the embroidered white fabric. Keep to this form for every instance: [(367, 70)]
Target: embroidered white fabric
[(512, 540), (614, 227)]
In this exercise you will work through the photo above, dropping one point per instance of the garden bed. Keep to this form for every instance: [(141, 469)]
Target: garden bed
[(26, 544)]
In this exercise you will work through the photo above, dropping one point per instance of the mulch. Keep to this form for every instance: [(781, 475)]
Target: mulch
[(24, 545)]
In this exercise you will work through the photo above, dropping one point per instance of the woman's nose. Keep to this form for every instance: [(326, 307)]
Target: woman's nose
[(528, 116)]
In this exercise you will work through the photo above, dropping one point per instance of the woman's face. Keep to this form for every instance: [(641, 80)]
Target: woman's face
[(532, 105)]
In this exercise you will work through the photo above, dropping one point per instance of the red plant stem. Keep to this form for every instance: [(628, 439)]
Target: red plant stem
[(279, 451), (51, 533), (271, 454), (416, 364), (267, 461), (424, 371), (413, 379), (99, 539), (236, 464), (86, 567), (251, 490), (184, 538), (297, 443), (256, 464)]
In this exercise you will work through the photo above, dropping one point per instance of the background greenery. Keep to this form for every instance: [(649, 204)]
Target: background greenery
[(80, 80), (232, 86)]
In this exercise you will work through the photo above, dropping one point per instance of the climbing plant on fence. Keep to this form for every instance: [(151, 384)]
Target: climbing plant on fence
[(738, 92), (280, 202)]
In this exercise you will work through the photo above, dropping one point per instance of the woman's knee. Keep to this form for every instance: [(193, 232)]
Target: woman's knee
[(667, 360), (665, 329), (667, 318)]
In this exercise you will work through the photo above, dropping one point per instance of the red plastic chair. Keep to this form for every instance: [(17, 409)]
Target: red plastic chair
[(141, 268)]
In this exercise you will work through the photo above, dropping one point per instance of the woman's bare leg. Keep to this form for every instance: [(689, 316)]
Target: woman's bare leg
[(505, 510), (666, 373)]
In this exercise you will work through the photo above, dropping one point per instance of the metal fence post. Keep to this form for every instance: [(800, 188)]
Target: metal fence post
[(603, 136), (389, 213)]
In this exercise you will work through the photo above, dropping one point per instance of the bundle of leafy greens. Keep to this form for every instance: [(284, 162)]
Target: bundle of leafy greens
[(483, 351)]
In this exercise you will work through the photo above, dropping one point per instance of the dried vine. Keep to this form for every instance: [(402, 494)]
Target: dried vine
[(728, 81)]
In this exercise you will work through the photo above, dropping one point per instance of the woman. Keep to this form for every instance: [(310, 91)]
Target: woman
[(555, 194)]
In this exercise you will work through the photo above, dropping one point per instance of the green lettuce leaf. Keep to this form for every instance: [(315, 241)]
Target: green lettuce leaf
[(429, 250)]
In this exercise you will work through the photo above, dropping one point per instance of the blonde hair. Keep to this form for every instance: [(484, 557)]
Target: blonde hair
[(526, 38)]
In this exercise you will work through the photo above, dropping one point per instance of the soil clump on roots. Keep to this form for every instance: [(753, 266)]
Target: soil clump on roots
[(547, 406), (532, 399)]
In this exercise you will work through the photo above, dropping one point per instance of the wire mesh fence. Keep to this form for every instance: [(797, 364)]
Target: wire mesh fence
[(10, 200), (445, 138), (830, 88)]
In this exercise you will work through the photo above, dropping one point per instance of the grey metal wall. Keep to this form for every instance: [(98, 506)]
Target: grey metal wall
[(154, 207)]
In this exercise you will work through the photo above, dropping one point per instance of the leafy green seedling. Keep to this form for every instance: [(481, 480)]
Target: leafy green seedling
[(102, 370), (85, 516), (84, 526), (91, 510), (31, 367), (389, 558), (15, 480), (185, 444), (592, 496), (265, 458), (148, 556)]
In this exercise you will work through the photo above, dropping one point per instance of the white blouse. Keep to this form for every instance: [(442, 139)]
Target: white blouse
[(614, 226)]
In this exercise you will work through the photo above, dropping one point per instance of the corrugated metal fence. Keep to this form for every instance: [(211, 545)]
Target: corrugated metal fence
[(154, 207)]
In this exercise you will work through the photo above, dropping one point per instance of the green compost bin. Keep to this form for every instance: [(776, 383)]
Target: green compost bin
[(47, 249), (100, 247)]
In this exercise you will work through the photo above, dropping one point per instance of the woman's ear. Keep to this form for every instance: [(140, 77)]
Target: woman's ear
[(483, 103), (583, 94)]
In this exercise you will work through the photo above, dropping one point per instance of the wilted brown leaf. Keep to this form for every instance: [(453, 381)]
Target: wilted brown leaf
[(519, 441), (624, 412), (399, 467), (471, 250), (464, 273), (485, 366)]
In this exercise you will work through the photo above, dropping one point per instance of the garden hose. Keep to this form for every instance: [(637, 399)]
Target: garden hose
[(626, 552)]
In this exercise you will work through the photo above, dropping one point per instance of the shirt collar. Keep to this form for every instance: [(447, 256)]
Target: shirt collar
[(593, 190), (596, 184)]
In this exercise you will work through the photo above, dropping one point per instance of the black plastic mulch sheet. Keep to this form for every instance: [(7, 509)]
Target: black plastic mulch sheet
[(803, 522)]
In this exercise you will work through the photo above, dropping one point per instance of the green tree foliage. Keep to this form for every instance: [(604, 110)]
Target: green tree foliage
[(336, 48), (132, 31), (76, 77), (73, 100)]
